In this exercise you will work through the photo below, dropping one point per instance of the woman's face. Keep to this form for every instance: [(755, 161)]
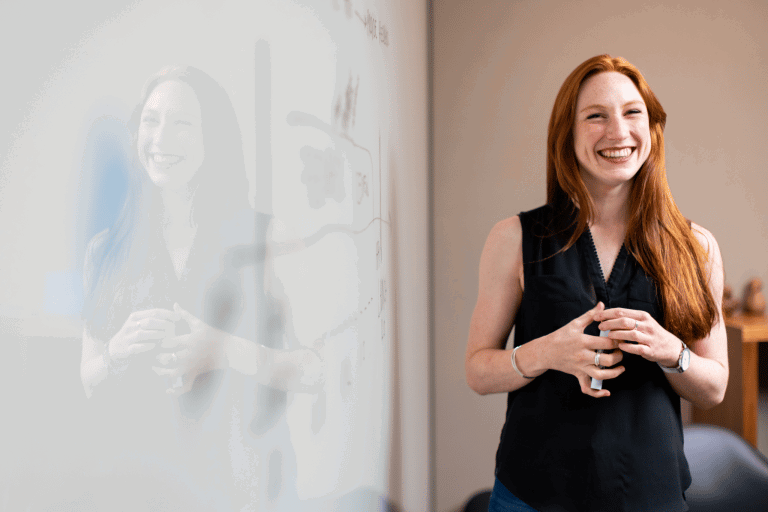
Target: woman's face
[(170, 141), (611, 134)]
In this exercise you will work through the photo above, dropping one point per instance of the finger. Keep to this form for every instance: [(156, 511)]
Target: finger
[(143, 336), (600, 343), (138, 348), (161, 313), (177, 341), (614, 313), (155, 324), (608, 360), (605, 373), (637, 349), (585, 381), (589, 316), (184, 314), (623, 323), (621, 336)]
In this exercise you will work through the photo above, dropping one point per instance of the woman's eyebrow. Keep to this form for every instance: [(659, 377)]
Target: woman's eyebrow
[(178, 112), (598, 106)]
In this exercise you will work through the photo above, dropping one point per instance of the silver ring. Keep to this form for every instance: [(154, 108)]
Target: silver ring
[(174, 358), (597, 358), (635, 326)]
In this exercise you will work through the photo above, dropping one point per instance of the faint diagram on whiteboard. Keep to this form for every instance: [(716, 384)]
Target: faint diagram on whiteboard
[(331, 239)]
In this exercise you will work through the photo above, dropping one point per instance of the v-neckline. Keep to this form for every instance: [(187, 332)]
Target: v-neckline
[(180, 276), (618, 264)]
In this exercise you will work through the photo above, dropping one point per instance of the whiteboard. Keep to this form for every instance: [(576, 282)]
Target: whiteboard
[(313, 86)]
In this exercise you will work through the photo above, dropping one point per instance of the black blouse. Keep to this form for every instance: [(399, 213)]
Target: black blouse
[(562, 450)]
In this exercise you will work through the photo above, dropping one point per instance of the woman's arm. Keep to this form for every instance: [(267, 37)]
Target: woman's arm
[(704, 383), (298, 370), (206, 348), (705, 380), (93, 363), (488, 365)]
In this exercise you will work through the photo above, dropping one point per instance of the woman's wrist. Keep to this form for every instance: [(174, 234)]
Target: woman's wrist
[(242, 355), (528, 359)]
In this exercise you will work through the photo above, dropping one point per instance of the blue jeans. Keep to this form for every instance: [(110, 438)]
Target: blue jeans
[(504, 501)]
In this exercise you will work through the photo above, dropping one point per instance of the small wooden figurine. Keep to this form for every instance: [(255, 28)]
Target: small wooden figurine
[(730, 303), (754, 300)]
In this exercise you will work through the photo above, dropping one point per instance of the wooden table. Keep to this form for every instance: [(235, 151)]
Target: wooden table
[(738, 411)]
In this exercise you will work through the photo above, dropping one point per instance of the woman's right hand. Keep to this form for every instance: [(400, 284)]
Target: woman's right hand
[(571, 351), (141, 332)]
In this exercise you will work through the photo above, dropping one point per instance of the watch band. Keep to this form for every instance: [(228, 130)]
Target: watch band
[(679, 368)]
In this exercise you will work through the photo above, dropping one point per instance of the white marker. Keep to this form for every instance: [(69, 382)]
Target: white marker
[(598, 384)]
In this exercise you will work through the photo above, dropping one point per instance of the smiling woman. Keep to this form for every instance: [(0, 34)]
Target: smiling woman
[(175, 297), (615, 299), (170, 139), (611, 136)]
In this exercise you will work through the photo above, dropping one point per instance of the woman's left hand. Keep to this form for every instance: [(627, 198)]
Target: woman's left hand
[(200, 351), (640, 334)]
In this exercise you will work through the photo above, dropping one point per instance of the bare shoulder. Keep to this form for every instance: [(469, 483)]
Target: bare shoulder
[(714, 259), (505, 240), (507, 233), (704, 236), (502, 255), (707, 241)]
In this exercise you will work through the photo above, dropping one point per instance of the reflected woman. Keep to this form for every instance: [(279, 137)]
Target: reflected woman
[(171, 347)]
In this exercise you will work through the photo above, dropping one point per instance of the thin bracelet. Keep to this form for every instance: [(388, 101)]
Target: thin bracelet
[(514, 365)]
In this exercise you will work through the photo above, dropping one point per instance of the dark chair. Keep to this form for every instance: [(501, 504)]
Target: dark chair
[(478, 502), (728, 473)]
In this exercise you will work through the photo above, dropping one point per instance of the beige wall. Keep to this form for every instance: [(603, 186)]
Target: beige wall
[(497, 68)]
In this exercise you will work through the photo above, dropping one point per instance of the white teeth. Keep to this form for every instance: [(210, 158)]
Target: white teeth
[(165, 159), (616, 153)]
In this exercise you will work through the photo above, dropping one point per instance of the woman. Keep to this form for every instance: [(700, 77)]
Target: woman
[(607, 283), (169, 345)]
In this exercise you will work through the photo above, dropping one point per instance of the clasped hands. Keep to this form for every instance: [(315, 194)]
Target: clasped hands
[(630, 331), (182, 358)]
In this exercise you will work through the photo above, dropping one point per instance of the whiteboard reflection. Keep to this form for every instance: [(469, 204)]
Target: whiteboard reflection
[(185, 352), (203, 323)]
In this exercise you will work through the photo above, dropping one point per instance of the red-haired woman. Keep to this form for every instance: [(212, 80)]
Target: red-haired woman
[(610, 284)]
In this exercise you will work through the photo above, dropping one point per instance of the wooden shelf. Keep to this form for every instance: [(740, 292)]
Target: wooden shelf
[(754, 329), (738, 411)]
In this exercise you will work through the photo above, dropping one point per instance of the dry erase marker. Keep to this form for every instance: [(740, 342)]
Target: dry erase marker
[(598, 384)]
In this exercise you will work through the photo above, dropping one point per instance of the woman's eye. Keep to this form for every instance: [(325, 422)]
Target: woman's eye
[(635, 111), (185, 123), (593, 116), (148, 119)]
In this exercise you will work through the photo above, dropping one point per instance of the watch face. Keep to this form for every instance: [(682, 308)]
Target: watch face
[(685, 359)]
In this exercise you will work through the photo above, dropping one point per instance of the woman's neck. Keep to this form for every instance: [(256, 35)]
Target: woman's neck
[(177, 209), (611, 206)]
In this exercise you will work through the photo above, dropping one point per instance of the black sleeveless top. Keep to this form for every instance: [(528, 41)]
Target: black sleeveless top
[(560, 449)]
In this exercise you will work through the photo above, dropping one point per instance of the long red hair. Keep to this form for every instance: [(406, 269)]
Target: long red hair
[(658, 236)]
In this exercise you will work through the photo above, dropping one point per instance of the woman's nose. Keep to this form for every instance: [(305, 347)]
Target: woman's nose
[(617, 128), (162, 134)]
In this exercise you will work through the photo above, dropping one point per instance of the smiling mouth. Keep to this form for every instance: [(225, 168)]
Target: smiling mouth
[(616, 155), (166, 159)]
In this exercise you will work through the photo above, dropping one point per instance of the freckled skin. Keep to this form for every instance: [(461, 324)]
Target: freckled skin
[(610, 114)]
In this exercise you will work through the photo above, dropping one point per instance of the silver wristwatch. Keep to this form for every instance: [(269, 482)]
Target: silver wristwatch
[(682, 362)]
